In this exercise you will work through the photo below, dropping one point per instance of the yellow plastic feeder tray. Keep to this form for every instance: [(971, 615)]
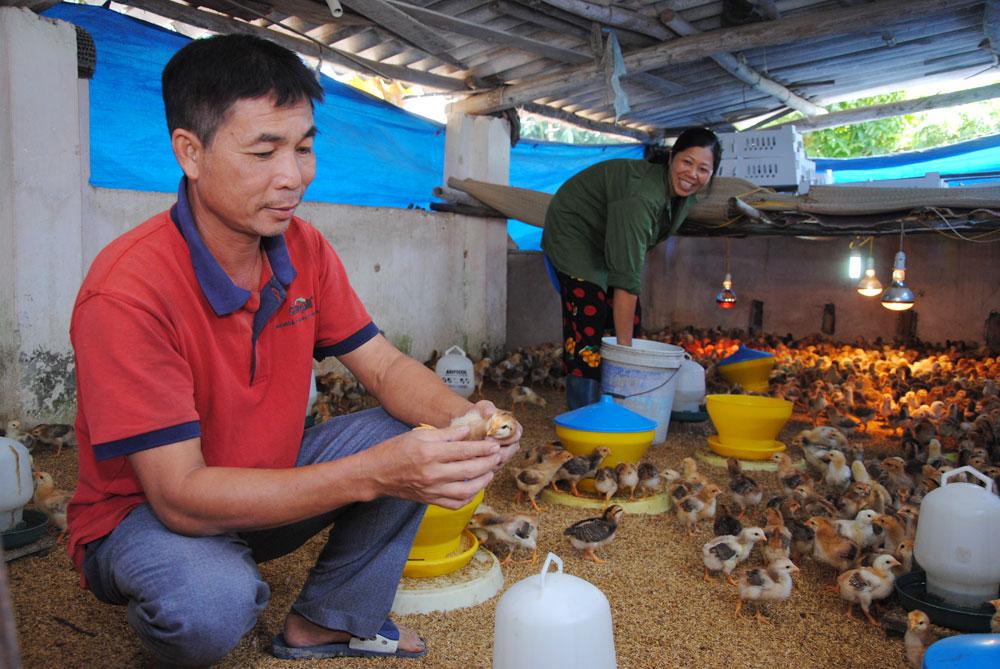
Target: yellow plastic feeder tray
[(747, 425), (440, 532), (468, 544), (749, 368)]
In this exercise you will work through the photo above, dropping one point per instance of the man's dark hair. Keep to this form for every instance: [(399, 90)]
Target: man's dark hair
[(205, 78)]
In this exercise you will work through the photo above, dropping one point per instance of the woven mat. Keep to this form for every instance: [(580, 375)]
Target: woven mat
[(530, 205), (847, 200)]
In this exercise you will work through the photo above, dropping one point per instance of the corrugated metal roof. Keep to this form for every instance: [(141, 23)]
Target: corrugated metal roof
[(506, 46)]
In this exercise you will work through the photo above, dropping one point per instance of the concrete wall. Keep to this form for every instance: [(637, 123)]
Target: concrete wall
[(957, 286), (430, 280), (40, 212)]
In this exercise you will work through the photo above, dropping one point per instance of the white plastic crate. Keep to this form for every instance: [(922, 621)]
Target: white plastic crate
[(783, 141), (795, 172)]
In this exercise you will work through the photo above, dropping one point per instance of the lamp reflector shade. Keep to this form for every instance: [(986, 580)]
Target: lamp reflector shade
[(870, 286), (898, 296)]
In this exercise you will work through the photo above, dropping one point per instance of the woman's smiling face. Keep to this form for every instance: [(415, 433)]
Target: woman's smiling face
[(691, 170)]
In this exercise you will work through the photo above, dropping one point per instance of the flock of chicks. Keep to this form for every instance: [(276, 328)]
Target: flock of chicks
[(853, 514), (48, 499)]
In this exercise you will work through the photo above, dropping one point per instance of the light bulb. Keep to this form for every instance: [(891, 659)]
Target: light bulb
[(898, 296), (854, 264), (870, 286), (726, 298)]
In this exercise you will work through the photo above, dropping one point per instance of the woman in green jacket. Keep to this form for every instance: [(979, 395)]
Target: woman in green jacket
[(599, 227)]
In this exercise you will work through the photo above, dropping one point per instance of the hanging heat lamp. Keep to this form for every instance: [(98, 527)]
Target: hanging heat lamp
[(854, 261), (870, 286), (898, 296), (726, 298)]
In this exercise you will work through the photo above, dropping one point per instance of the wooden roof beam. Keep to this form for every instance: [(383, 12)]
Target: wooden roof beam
[(590, 124), (694, 48), (399, 22), (851, 116), (623, 18), (224, 25)]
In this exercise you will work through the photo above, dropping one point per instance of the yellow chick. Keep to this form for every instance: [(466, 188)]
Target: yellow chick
[(773, 584), (628, 477), (725, 552), (865, 585), (917, 638), (510, 531), (52, 501), (524, 394), (501, 425), (745, 490), (649, 479), (57, 435), (699, 506), (606, 482), (589, 534), (580, 467), (995, 620), (532, 479)]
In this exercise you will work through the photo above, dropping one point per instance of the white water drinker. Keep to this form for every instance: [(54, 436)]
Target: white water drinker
[(553, 621), (690, 393), (455, 369), (958, 540), (16, 483)]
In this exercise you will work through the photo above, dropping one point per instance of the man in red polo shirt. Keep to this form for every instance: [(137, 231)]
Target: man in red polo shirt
[(194, 336)]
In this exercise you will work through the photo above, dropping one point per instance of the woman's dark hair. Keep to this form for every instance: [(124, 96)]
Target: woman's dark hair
[(689, 137), (205, 78)]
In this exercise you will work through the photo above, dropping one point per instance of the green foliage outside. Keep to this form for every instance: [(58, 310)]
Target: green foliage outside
[(910, 132), (541, 128)]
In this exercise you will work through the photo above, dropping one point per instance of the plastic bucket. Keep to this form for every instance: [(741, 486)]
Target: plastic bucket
[(642, 377)]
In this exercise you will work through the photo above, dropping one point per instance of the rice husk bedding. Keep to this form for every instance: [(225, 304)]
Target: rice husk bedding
[(664, 614)]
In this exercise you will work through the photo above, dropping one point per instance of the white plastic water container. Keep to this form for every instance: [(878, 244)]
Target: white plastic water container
[(690, 393), (642, 377), (958, 540), (455, 369), (553, 621), (16, 484)]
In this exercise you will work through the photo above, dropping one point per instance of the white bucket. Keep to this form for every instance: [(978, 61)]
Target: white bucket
[(690, 395), (642, 377)]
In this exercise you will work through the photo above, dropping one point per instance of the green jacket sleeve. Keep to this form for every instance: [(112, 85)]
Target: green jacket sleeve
[(630, 228)]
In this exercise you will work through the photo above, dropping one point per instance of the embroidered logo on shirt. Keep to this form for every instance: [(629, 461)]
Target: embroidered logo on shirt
[(301, 309)]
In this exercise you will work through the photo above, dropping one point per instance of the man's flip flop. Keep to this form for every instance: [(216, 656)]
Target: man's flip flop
[(384, 644)]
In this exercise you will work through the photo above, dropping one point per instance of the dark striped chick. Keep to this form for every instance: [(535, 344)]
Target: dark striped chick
[(589, 534)]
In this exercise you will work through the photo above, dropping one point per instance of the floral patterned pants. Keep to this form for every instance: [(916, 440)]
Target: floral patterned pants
[(587, 316)]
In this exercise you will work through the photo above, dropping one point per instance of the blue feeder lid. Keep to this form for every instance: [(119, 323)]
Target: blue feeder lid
[(605, 416), (744, 354), (965, 651)]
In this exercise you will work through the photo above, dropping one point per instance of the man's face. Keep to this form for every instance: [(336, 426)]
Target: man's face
[(254, 173)]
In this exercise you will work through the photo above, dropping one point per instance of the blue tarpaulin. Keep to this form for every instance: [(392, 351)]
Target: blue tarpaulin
[(978, 156), (368, 152)]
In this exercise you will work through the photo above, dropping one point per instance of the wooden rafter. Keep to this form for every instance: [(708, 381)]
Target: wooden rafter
[(689, 49), (399, 22), (621, 18), (221, 24)]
